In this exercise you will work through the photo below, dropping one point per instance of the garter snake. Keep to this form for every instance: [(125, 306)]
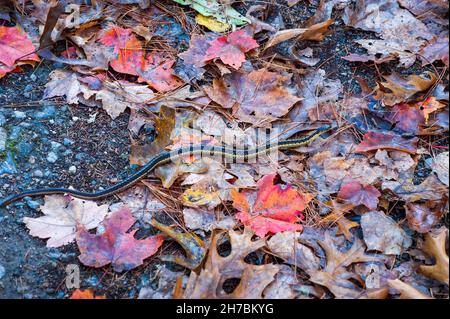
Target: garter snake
[(167, 156)]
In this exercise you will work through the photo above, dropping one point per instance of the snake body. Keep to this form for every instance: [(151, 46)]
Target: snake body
[(167, 156)]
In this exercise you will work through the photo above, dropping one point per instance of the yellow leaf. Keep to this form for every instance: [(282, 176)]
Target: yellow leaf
[(211, 23)]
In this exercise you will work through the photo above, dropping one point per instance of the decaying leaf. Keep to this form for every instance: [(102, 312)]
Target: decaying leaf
[(275, 208), (315, 32), (64, 215), (193, 246), (423, 217), (115, 245), (258, 96), (435, 246), (400, 89), (440, 167), (208, 283), (382, 233)]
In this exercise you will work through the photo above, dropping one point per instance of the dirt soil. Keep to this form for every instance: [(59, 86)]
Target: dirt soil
[(47, 139)]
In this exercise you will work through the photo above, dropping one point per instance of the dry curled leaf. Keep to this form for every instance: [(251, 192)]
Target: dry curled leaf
[(400, 89), (435, 246), (63, 216), (440, 167)]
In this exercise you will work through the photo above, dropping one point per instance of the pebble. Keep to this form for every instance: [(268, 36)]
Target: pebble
[(55, 145), (72, 170), (33, 77), (24, 148), (38, 173), (20, 115), (32, 203), (48, 112), (28, 88), (8, 166), (67, 141), (3, 137), (2, 120), (52, 157), (2, 271)]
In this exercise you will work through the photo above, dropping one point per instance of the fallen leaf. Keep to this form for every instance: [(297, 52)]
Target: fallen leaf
[(399, 89), (63, 216), (166, 280), (193, 246), (283, 287), (212, 24), (315, 32), (287, 246), (335, 275), (434, 246), (382, 233), (231, 48), (15, 47), (337, 216), (358, 194), (429, 106), (437, 49), (208, 283), (276, 207), (430, 189), (258, 96), (164, 125), (407, 291), (115, 245), (85, 294), (375, 141), (440, 167), (206, 220), (423, 217), (406, 118)]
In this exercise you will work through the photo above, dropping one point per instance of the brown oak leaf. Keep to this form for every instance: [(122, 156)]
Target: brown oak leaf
[(435, 246), (374, 141)]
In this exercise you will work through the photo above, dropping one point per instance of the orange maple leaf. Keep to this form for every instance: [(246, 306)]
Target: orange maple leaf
[(276, 208), (85, 294)]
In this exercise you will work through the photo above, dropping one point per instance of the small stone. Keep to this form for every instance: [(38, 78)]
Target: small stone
[(20, 115), (38, 173), (33, 77), (52, 157), (3, 137), (32, 203), (72, 170), (2, 120), (55, 145), (24, 148), (48, 112), (2, 271), (28, 88), (67, 141)]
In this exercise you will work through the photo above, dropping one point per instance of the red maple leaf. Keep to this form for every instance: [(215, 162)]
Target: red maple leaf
[(158, 73), (230, 49), (374, 141), (276, 208), (15, 46), (358, 194), (130, 55), (115, 245)]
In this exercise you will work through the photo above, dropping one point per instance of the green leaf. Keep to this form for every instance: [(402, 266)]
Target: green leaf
[(211, 8)]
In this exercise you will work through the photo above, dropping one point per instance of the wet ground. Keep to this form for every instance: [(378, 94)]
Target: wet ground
[(48, 143)]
